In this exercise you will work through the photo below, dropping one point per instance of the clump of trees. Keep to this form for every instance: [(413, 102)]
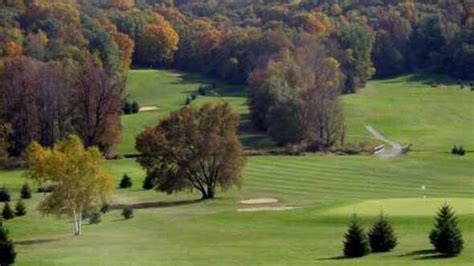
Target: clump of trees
[(193, 149), (446, 236), (295, 98), (81, 181), (45, 102), (458, 150), (7, 249), (131, 108)]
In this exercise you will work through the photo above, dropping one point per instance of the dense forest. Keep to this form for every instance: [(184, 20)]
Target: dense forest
[(64, 62)]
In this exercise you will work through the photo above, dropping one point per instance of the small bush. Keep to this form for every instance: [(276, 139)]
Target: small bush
[(126, 181), (95, 218), (127, 213), (381, 236), (455, 150), (188, 100), (355, 240), (7, 212), (25, 191), (4, 195), (105, 208), (446, 236), (135, 107), (20, 208), (7, 249), (127, 108), (461, 151), (148, 183)]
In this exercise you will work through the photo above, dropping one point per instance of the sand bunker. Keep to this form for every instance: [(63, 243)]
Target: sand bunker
[(148, 108), (176, 74), (268, 208), (259, 201)]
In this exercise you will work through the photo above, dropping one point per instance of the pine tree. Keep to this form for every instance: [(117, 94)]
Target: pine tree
[(148, 183), (25, 191), (126, 181), (454, 150), (135, 107), (355, 240), (20, 208), (4, 195), (446, 236), (7, 212), (381, 236), (7, 250), (127, 213)]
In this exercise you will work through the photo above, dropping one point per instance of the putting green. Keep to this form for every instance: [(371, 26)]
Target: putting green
[(405, 207)]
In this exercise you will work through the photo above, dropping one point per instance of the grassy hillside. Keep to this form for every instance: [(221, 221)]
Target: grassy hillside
[(178, 230)]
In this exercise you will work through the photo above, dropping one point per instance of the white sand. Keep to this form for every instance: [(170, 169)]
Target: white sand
[(148, 108), (268, 208), (259, 201)]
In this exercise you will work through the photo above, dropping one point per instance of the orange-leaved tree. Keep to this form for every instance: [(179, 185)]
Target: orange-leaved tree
[(78, 176)]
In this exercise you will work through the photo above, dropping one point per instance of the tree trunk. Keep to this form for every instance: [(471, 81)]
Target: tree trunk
[(207, 194)]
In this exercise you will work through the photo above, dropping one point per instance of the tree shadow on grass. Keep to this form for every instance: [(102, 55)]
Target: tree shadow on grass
[(28, 242), (340, 257), (159, 204), (425, 254)]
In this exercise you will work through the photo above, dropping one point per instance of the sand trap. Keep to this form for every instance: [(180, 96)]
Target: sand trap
[(268, 208), (259, 201), (148, 108)]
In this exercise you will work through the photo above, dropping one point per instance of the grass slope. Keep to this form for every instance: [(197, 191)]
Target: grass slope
[(177, 230)]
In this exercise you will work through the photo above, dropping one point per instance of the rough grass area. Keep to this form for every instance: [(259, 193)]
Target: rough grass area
[(182, 230)]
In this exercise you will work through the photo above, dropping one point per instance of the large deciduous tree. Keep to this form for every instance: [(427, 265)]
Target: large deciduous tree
[(78, 175), (158, 44), (194, 149)]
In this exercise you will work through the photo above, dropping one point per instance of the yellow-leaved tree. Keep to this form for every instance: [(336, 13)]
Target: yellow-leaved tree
[(78, 176)]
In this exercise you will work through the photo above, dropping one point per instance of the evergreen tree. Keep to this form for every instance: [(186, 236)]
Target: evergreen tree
[(7, 250), (4, 195), (461, 151), (127, 213), (446, 236), (148, 183), (127, 108), (95, 218), (381, 236), (126, 181), (25, 191), (20, 208), (355, 240), (135, 107), (455, 150), (7, 212)]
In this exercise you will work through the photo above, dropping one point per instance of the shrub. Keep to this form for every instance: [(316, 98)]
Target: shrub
[(202, 90), (461, 151), (4, 195), (188, 100), (105, 208), (7, 212), (20, 208), (127, 213), (148, 183), (86, 213), (25, 191), (7, 250), (126, 181), (446, 236), (127, 108), (135, 108), (355, 240), (381, 236), (95, 218), (455, 150)]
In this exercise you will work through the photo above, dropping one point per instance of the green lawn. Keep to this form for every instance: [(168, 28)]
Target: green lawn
[(177, 230)]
